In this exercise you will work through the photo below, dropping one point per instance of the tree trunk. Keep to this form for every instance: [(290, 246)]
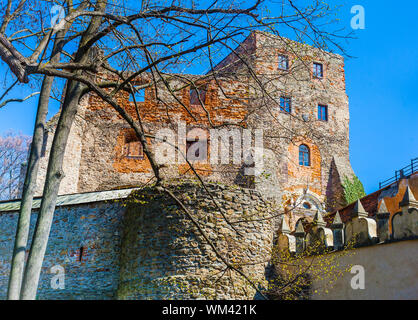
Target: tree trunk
[(29, 186), (52, 182), (54, 173)]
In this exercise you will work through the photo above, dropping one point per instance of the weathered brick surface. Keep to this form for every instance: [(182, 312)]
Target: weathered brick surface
[(94, 155), (325, 139)]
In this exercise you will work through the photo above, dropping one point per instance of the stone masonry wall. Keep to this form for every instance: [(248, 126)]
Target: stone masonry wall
[(90, 229), (103, 165), (164, 256), (144, 247), (325, 139)]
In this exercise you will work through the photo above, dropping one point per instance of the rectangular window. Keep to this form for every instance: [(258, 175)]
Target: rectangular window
[(134, 150), (322, 112), (286, 104), (195, 94), (283, 62), (197, 150), (318, 70), (139, 96), (132, 147)]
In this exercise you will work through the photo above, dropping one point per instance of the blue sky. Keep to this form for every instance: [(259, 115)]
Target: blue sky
[(382, 85)]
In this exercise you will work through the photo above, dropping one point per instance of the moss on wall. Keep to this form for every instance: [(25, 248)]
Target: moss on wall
[(353, 189)]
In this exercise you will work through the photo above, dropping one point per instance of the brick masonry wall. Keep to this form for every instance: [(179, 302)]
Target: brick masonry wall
[(288, 131), (103, 165), (95, 160)]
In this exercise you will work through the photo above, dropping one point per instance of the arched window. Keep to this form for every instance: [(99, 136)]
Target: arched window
[(307, 205), (304, 156)]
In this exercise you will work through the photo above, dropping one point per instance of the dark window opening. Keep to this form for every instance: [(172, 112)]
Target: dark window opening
[(285, 104), (132, 147), (304, 156), (195, 94), (283, 62), (322, 112), (318, 70), (80, 256)]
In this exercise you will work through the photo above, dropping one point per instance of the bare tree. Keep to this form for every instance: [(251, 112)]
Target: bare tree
[(106, 48), (13, 153)]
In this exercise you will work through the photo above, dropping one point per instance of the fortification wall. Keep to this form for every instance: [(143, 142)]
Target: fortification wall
[(96, 158), (84, 240), (164, 256), (145, 247)]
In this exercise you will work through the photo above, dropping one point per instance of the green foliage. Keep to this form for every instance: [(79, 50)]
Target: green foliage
[(353, 189)]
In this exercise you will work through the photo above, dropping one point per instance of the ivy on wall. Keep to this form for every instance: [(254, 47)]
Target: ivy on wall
[(353, 189)]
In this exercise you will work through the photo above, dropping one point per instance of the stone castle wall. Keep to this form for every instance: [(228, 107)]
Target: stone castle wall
[(144, 247), (103, 165), (376, 248), (174, 260), (84, 240), (326, 139)]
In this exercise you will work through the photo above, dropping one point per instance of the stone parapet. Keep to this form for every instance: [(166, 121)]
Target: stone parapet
[(360, 230)]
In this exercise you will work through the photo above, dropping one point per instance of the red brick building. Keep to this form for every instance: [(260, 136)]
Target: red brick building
[(293, 93)]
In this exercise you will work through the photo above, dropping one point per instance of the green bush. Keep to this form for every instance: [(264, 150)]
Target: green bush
[(353, 189)]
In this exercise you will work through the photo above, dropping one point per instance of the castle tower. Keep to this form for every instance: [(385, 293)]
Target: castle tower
[(293, 93), (299, 100)]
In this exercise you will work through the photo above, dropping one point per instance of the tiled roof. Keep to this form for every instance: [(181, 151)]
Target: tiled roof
[(392, 195)]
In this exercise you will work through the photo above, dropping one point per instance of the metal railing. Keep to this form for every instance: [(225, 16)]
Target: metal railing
[(401, 173)]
